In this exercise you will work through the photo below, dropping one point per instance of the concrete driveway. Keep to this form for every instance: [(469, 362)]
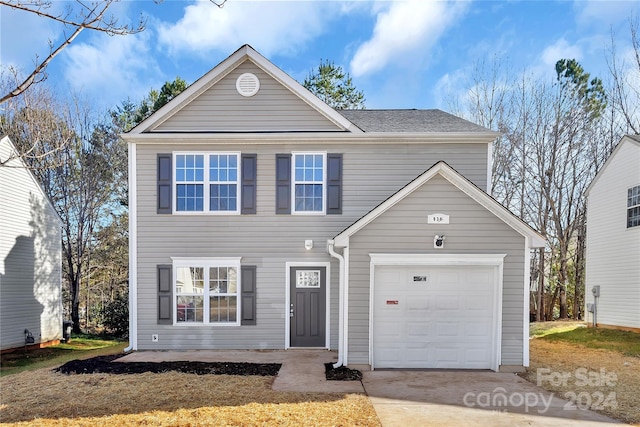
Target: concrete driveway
[(469, 398), (413, 397)]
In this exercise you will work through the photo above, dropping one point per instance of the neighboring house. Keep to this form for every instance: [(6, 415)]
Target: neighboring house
[(30, 254), (261, 218), (613, 239)]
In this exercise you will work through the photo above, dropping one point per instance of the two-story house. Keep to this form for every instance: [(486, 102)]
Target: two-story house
[(261, 218)]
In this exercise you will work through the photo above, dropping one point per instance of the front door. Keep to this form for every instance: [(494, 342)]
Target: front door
[(307, 309)]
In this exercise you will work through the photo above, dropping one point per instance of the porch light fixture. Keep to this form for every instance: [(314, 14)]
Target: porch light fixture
[(308, 244), (438, 241)]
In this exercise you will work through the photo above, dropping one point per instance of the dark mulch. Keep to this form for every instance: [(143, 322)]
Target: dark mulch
[(106, 365), (342, 373)]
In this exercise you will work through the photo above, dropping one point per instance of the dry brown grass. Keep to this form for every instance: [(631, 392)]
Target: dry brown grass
[(561, 357), (45, 398)]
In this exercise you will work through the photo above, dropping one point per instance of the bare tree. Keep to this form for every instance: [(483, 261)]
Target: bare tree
[(74, 18), (625, 74)]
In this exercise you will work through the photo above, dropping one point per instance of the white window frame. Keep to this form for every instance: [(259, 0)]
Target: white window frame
[(294, 182), (207, 263), (207, 183), (631, 189)]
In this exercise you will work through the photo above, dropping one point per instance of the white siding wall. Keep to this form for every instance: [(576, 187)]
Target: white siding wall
[(30, 256), (613, 250), (404, 229), (268, 240)]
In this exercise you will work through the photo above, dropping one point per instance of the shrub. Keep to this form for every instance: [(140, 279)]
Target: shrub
[(115, 316)]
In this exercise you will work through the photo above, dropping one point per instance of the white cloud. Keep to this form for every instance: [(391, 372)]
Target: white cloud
[(561, 49), (270, 27), (598, 13), (111, 69), (405, 29)]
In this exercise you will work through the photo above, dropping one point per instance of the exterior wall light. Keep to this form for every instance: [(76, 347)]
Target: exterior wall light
[(308, 244), (438, 241)]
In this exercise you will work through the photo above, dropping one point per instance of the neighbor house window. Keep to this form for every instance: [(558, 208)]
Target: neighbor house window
[(207, 292), (308, 182), (207, 182), (633, 206)]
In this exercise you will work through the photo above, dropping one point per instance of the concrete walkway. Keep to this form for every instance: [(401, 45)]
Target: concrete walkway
[(410, 398)]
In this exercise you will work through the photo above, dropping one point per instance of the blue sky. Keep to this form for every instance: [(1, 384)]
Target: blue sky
[(401, 54)]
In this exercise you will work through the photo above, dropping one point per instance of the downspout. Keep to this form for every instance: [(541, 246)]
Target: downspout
[(341, 332)]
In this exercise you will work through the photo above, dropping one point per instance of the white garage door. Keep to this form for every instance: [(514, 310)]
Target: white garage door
[(434, 317)]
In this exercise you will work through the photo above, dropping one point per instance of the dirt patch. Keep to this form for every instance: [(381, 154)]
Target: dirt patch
[(602, 380), (106, 365), (341, 374)]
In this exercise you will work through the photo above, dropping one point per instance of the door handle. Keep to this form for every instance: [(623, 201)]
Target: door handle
[(291, 311)]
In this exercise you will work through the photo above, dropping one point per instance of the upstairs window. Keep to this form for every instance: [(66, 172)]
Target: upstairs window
[(633, 206), (207, 182), (308, 182)]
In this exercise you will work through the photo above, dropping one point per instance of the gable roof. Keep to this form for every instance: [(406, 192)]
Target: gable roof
[(410, 121), (246, 52), (18, 162), (631, 139), (536, 240)]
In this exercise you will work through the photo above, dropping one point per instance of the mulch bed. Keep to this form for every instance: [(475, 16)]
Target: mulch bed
[(341, 374), (106, 365)]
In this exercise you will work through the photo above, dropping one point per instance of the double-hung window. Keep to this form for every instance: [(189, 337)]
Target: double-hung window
[(206, 182), (207, 291), (633, 206), (309, 182)]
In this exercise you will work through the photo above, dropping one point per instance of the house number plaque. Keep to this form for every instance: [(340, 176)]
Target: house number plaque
[(438, 218)]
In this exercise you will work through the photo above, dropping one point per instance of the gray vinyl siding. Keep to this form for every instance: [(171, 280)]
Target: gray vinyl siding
[(404, 229), (30, 256), (265, 239), (273, 108)]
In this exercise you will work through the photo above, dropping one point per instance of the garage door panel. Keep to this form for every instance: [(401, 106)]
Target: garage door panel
[(441, 317)]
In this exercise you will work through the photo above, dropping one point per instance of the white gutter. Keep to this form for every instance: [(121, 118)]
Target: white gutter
[(133, 252), (341, 323)]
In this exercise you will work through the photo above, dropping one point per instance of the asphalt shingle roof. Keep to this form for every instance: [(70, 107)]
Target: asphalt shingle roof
[(409, 121)]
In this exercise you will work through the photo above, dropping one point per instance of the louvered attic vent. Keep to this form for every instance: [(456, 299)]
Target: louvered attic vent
[(247, 84)]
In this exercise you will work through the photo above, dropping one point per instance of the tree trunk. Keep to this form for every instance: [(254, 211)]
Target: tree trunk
[(540, 317), (75, 304)]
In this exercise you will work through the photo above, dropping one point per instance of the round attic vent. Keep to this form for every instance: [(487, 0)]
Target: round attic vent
[(247, 84)]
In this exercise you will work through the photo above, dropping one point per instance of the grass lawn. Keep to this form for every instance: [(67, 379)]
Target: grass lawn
[(596, 368), (31, 394), (79, 347)]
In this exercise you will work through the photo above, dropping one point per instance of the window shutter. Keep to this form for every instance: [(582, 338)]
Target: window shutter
[(248, 294), (165, 300), (249, 178), (165, 174), (283, 184), (334, 184)]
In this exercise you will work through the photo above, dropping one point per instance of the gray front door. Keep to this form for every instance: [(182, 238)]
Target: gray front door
[(308, 306)]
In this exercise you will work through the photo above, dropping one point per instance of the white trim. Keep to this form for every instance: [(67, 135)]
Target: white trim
[(207, 263), (224, 68), (302, 138), (294, 182), (527, 296), (206, 183), (13, 151), (609, 159), (490, 260), (444, 170), (133, 249), (287, 299), (490, 168)]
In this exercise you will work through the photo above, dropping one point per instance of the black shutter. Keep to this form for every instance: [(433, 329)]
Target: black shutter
[(248, 184), (334, 184), (165, 300), (283, 184), (165, 173), (248, 294)]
